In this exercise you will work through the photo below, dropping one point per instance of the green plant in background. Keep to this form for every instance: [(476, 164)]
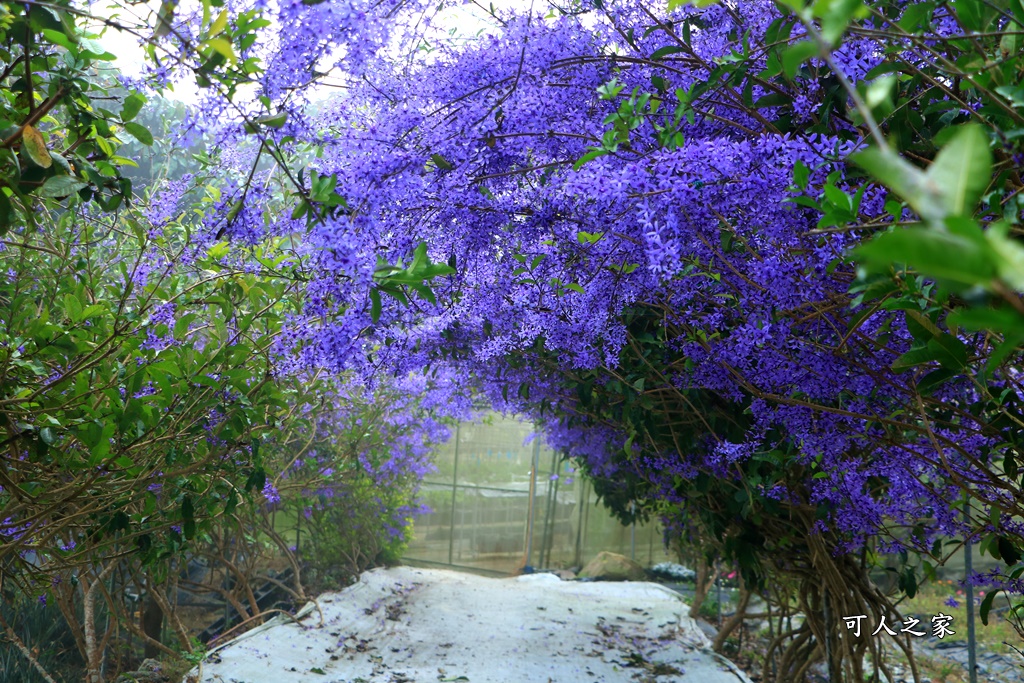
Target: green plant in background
[(344, 500), (143, 404), (41, 627), (136, 354)]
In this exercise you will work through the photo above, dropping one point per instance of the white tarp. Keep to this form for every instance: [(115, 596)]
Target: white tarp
[(406, 625)]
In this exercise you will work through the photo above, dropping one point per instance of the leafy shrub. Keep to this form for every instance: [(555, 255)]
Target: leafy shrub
[(42, 629)]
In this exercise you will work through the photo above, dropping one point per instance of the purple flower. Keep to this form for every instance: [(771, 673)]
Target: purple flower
[(270, 493)]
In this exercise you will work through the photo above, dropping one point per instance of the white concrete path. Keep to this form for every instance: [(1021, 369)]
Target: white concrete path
[(406, 625)]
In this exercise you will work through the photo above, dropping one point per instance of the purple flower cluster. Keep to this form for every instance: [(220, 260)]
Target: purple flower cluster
[(702, 242), (473, 150)]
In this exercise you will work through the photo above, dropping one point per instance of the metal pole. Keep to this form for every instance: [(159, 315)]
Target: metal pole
[(551, 521), (632, 532), (546, 540), (533, 488), (581, 502), (718, 585), (972, 653), (455, 484)]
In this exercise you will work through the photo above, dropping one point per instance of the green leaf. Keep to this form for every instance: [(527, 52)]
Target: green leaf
[(59, 38), (1011, 343), (836, 16), (796, 54), (223, 47), (63, 167), (188, 517), (908, 582), (1008, 551), (258, 479), (879, 91), (1009, 255), (592, 154), (796, 5), (44, 17), (667, 50), (1009, 44), (131, 106), (273, 120), (700, 4), (139, 132), (933, 253), (949, 351), (375, 305), (962, 170), (35, 146), (801, 175), (986, 606), (916, 16), (912, 358), (970, 13), (232, 502), (219, 23), (441, 162), (934, 379), (904, 179), (5, 212), (1014, 93), (61, 186), (986, 319), (73, 307), (419, 257), (92, 49)]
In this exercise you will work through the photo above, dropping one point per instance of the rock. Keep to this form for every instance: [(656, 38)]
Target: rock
[(710, 631), (613, 567)]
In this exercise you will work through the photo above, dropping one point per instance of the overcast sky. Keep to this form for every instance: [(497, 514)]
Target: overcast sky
[(466, 19)]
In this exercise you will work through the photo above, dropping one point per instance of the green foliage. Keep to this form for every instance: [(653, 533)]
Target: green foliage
[(953, 183), (137, 373), (347, 494), (42, 629), (356, 531), (397, 280)]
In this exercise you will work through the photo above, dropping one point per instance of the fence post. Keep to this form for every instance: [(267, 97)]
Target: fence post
[(718, 591), (583, 498), (549, 510), (455, 484), (530, 509), (972, 653), (632, 531)]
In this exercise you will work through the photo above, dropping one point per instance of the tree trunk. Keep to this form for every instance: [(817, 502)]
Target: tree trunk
[(94, 649), (705, 580), (152, 625), (735, 620)]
